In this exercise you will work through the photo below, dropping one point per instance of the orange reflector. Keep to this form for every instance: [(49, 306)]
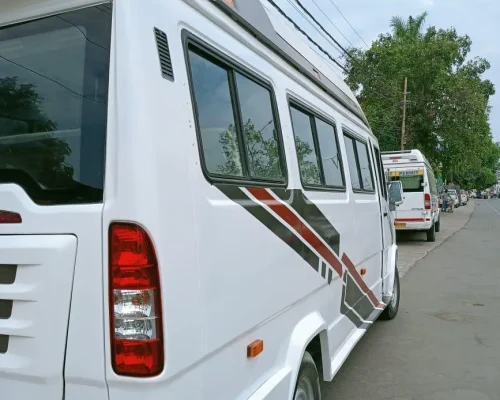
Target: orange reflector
[(363, 271), (255, 348), (230, 3)]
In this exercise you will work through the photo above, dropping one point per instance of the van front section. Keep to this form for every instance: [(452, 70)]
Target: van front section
[(54, 74)]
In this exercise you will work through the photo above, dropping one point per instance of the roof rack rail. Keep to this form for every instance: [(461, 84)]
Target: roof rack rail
[(397, 152), (251, 15)]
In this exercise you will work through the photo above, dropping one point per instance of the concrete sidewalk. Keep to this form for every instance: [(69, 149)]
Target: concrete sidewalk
[(413, 245)]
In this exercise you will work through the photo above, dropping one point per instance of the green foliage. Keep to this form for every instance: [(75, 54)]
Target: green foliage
[(28, 144), (447, 113), (263, 155)]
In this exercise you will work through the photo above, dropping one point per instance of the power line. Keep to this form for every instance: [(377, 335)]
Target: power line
[(316, 28), (388, 96), (346, 20), (84, 35), (273, 3), (52, 80), (323, 29), (348, 54), (331, 22)]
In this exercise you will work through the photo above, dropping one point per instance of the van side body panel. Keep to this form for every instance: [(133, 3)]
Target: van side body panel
[(221, 248), (239, 261)]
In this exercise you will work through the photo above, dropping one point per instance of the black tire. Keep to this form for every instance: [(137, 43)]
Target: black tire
[(438, 225), (308, 379), (391, 311), (431, 233)]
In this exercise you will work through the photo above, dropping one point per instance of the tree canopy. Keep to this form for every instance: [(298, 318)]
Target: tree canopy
[(448, 100)]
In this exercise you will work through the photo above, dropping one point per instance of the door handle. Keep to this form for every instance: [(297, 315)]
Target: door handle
[(385, 214)]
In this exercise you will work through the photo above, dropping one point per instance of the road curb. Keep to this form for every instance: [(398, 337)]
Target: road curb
[(426, 253)]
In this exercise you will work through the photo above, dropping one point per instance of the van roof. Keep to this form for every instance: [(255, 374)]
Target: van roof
[(404, 157), (272, 31)]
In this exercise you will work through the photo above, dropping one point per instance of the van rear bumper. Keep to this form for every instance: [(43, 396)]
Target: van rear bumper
[(406, 225)]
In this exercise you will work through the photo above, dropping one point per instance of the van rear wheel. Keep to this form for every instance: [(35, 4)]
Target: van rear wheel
[(307, 387), (392, 308), (431, 233), (438, 225)]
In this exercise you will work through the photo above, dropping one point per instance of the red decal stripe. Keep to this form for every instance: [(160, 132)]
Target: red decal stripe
[(410, 219), (357, 277), (311, 237), (291, 219)]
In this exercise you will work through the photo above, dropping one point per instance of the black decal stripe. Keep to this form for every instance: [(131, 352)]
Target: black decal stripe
[(312, 215), (356, 304), (362, 304), (347, 311), (361, 283), (360, 311), (272, 223)]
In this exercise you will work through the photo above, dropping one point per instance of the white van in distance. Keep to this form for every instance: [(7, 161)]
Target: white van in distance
[(190, 208), (420, 210)]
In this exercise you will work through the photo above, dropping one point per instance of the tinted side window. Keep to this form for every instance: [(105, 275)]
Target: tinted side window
[(306, 149), (53, 106), (352, 163), (365, 166), (317, 150), (236, 121), (259, 129), (330, 156), (432, 182), (215, 117)]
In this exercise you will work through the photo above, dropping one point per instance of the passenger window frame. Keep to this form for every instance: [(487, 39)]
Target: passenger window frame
[(219, 58), (348, 134), (380, 169), (312, 114)]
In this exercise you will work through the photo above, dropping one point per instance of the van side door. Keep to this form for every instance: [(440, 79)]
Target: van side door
[(387, 223)]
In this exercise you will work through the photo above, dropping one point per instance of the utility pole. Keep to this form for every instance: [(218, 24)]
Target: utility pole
[(403, 128)]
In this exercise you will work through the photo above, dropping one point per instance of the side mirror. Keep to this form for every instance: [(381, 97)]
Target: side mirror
[(395, 193)]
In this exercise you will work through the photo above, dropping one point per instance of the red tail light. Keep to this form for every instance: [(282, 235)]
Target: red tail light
[(9, 217), (134, 302), (427, 201)]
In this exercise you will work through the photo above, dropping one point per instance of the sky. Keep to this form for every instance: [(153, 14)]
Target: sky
[(369, 18)]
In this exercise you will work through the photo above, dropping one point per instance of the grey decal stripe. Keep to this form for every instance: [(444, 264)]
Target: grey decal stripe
[(346, 311), (363, 305), (323, 269), (312, 215)]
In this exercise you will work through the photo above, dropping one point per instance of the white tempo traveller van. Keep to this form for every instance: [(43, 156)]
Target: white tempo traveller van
[(189, 207), (420, 210)]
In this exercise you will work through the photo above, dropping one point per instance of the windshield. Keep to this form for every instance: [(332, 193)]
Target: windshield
[(53, 105), (410, 183)]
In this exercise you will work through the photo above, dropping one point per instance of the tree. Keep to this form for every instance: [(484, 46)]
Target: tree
[(21, 118), (263, 154), (410, 29), (447, 116)]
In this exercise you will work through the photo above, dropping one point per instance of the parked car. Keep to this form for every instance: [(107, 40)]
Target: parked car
[(464, 199), (454, 195)]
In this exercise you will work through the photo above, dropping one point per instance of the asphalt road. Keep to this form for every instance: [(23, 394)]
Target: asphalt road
[(445, 342)]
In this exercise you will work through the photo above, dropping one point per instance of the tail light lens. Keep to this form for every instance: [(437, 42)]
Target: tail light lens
[(134, 302), (427, 201)]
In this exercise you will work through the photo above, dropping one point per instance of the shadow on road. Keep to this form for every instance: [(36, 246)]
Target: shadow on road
[(410, 236)]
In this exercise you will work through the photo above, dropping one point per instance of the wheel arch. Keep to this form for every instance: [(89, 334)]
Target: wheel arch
[(310, 335)]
